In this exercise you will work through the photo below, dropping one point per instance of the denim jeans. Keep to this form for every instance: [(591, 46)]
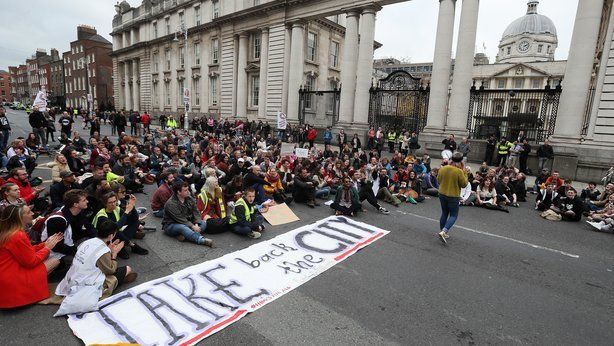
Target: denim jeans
[(543, 162), (159, 213), (175, 229), (246, 228), (323, 192), (449, 212)]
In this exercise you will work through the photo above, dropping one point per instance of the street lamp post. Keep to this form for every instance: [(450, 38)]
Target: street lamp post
[(182, 30)]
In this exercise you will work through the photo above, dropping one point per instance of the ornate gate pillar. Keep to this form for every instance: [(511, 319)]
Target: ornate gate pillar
[(348, 69), (364, 68)]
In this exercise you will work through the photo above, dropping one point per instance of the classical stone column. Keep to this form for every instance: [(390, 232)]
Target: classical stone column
[(463, 68), (135, 85), (242, 76), (295, 79), (264, 68), (442, 61), (578, 71), (127, 97), (364, 68), (348, 68)]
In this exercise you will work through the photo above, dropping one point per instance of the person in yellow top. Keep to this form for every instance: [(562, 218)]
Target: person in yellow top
[(452, 179), (171, 123)]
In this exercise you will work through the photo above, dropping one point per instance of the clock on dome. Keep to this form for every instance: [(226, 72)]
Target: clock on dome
[(523, 46)]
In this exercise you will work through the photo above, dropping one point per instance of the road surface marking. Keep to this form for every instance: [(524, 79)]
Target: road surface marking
[(498, 236)]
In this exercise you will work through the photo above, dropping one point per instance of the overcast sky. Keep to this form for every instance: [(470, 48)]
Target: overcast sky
[(406, 30)]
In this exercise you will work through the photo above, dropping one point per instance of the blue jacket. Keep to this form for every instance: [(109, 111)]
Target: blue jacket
[(328, 136)]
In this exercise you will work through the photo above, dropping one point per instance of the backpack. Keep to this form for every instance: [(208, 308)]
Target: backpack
[(39, 225)]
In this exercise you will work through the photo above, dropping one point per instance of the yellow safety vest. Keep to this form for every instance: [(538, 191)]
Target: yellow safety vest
[(503, 148), (172, 123), (248, 212), (103, 212), (203, 197), (392, 136)]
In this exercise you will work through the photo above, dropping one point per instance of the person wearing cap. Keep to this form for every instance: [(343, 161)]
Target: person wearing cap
[(452, 179), (57, 190)]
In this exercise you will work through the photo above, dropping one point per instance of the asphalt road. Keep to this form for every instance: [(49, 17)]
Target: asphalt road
[(504, 279)]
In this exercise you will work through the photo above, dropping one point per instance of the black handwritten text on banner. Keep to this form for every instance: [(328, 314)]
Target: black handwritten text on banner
[(187, 306)]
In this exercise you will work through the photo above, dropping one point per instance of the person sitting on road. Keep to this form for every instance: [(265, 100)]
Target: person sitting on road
[(23, 267), (96, 264), (21, 160), (275, 189), (365, 191), (181, 217), (486, 196), (59, 164), (9, 195), (75, 163), (555, 177), (606, 213), (19, 177), (212, 207), (305, 189), (590, 192), (430, 184), (162, 194), (381, 187), (546, 197), (254, 178), (568, 208), (246, 219), (57, 190), (127, 220), (346, 202), (505, 193), (603, 198)]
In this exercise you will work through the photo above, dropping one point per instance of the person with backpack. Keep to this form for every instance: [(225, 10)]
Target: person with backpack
[(5, 130), (69, 221)]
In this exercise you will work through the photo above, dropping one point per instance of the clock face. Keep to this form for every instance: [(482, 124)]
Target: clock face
[(523, 46)]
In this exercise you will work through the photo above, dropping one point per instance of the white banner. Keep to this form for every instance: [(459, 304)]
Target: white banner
[(301, 152), (192, 304), (281, 121), (40, 102)]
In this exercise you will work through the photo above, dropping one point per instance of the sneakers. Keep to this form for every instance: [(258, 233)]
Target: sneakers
[(254, 235), (205, 241), (261, 228), (139, 250), (130, 277), (411, 200), (443, 236), (383, 210), (139, 235)]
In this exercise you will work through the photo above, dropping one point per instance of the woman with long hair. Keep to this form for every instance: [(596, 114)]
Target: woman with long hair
[(23, 267), (212, 206), (9, 195), (486, 196), (59, 164)]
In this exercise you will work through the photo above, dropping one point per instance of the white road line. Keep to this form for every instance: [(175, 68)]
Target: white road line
[(498, 236)]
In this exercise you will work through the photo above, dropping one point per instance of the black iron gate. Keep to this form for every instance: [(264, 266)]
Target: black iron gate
[(399, 102), (506, 112), (318, 108)]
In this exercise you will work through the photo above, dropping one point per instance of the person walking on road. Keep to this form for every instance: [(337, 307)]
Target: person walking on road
[(452, 179)]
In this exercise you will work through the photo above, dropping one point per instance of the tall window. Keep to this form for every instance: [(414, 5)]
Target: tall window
[(540, 48), (197, 53), (310, 83), (215, 50), (537, 83), (182, 57), (216, 8), (196, 91), (334, 54), (167, 23), (167, 59), (155, 30), (197, 15), (181, 19), (255, 46), (519, 83), (312, 46), (155, 94), (154, 57), (167, 93), (213, 90), (254, 87), (330, 104)]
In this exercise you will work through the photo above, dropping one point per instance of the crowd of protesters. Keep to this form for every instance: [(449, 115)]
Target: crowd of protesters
[(221, 176)]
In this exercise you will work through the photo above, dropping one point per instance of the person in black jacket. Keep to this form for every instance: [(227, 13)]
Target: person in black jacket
[(524, 155), (491, 143), (255, 180), (305, 189), (120, 122), (39, 124), (5, 130), (57, 190), (569, 207), (544, 154)]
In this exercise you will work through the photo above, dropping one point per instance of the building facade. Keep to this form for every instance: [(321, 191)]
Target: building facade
[(5, 87), (240, 59), (88, 78), (56, 80)]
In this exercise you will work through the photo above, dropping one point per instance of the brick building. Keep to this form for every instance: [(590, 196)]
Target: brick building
[(5, 86), (13, 82), (21, 84), (88, 70), (56, 82)]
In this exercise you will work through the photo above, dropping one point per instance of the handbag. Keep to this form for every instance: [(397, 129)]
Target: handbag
[(215, 226)]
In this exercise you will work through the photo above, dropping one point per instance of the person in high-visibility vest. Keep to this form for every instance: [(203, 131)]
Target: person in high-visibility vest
[(245, 218), (212, 207), (127, 221), (392, 139), (503, 150), (171, 123)]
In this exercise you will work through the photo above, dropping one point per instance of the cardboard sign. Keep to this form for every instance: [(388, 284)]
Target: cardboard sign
[(194, 303), (280, 214), (301, 152), (287, 149)]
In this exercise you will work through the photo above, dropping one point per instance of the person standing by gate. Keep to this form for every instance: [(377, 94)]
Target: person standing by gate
[(392, 139), (491, 143), (452, 179), (503, 149)]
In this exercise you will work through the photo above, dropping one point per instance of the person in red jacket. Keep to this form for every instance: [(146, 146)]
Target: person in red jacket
[(23, 267), (145, 120), (311, 136), (19, 177), (162, 194)]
